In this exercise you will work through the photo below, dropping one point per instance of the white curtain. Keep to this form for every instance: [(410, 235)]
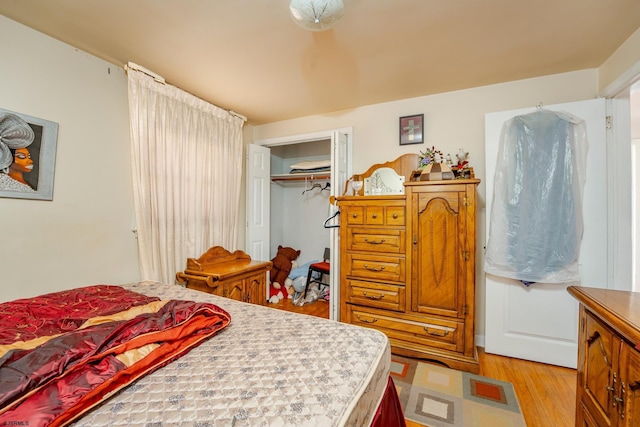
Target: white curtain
[(187, 166)]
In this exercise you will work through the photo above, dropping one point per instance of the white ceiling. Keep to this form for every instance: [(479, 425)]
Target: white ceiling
[(249, 56)]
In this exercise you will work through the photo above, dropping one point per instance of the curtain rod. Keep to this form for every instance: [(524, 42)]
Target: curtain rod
[(160, 79), (233, 113), (133, 66)]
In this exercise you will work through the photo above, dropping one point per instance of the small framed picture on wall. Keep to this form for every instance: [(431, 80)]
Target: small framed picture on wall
[(411, 129)]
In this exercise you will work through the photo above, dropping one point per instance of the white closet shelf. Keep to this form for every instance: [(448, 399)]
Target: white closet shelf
[(300, 176)]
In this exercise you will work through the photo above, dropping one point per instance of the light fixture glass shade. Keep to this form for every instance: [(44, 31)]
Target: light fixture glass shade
[(316, 15)]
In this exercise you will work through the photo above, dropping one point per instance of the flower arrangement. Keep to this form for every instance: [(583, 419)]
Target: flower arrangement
[(430, 155)]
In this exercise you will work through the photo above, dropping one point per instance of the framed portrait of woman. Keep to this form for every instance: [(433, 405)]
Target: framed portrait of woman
[(27, 156)]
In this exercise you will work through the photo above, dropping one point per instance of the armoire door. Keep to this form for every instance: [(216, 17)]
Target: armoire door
[(540, 322), (439, 285)]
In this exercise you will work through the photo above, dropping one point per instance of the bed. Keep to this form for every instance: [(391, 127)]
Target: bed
[(253, 365)]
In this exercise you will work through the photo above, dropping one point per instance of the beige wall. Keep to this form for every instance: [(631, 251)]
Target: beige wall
[(84, 235), (622, 66)]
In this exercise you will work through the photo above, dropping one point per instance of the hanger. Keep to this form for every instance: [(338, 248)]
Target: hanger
[(327, 186), (315, 185), (326, 225)]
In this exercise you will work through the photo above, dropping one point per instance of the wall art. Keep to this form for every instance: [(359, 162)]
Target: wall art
[(411, 129), (27, 156)]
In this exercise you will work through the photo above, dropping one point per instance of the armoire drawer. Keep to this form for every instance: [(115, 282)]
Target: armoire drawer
[(376, 267), (378, 295), (386, 240), (432, 332), (376, 215)]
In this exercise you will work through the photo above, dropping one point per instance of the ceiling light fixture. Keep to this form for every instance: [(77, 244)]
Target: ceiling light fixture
[(316, 15)]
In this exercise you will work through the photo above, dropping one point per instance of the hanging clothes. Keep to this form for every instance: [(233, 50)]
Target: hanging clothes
[(536, 220)]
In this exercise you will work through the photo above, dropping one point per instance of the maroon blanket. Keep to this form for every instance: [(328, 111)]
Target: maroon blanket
[(62, 353)]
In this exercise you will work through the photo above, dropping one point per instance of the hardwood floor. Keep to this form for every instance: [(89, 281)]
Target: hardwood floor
[(546, 393)]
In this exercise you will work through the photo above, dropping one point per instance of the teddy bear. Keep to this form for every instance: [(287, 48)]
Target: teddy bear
[(282, 265)]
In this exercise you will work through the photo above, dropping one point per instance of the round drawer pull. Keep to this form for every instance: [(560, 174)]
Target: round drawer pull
[(375, 297), (374, 216), (355, 215), (374, 320), (395, 216)]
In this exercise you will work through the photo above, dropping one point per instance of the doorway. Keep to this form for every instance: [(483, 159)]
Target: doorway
[(294, 210)]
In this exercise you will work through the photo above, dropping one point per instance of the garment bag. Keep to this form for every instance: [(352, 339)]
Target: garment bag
[(536, 217)]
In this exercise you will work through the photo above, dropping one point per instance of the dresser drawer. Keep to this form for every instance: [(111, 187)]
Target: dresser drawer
[(394, 215), (379, 295), (386, 240), (432, 332), (376, 267), (354, 215), (391, 215)]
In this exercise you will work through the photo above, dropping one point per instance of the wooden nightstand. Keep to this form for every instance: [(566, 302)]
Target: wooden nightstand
[(230, 275)]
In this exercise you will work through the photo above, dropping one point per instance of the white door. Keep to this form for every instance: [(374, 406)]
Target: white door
[(258, 201), (340, 173), (540, 322)]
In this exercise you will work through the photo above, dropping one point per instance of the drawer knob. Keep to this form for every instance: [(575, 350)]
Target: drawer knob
[(395, 216), (375, 297), (355, 215), (436, 332), (374, 320), (374, 216), (366, 266), (375, 242)]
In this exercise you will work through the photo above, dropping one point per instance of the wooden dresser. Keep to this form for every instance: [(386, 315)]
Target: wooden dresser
[(608, 384), (407, 268), (230, 275)]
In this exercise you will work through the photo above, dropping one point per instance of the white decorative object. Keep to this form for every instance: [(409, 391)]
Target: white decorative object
[(316, 15), (383, 181), (356, 186)]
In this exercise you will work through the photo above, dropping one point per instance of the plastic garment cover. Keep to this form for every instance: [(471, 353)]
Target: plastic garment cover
[(536, 215)]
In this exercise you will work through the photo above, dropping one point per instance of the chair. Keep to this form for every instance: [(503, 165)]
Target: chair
[(321, 268)]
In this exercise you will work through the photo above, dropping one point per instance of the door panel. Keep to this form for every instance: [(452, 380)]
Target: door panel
[(258, 199), (539, 322), (440, 289)]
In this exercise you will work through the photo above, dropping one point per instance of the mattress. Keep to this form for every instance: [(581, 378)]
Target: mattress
[(267, 368)]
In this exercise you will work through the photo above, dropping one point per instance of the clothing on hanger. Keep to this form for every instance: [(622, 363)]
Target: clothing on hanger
[(536, 219)]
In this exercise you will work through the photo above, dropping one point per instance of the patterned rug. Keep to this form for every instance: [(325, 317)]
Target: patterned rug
[(436, 396)]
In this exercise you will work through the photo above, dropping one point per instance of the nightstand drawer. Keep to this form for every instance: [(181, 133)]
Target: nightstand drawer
[(379, 295), (377, 267), (376, 240)]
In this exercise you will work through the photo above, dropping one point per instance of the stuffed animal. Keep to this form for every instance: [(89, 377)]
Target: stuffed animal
[(282, 265)]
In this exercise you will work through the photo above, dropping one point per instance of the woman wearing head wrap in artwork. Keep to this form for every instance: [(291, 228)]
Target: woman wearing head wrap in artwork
[(15, 136)]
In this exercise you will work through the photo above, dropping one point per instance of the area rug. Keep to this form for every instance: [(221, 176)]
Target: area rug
[(436, 396)]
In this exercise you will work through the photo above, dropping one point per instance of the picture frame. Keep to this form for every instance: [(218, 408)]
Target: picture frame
[(412, 129), (28, 172)]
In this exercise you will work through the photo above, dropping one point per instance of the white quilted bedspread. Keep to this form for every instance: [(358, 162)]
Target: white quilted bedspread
[(268, 368)]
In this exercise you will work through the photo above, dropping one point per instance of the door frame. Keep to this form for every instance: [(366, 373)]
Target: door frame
[(336, 190), (622, 252)]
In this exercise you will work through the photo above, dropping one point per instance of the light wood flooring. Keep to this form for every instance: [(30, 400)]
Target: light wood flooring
[(546, 393)]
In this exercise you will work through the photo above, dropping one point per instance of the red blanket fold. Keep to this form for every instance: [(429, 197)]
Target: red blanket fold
[(67, 367)]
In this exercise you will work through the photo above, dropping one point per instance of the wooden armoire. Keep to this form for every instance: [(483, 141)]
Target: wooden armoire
[(407, 265)]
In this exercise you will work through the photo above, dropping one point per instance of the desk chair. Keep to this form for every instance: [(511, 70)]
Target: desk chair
[(321, 269)]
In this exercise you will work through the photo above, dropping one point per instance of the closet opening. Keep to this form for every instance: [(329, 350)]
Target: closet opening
[(290, 182)]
